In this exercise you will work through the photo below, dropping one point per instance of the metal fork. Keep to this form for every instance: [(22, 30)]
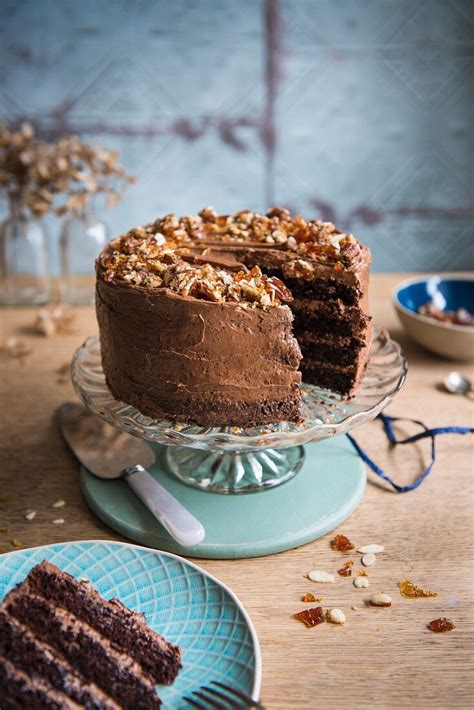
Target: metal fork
[(221, 698)]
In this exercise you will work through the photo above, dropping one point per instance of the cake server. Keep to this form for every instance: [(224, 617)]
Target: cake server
[(110, 453)]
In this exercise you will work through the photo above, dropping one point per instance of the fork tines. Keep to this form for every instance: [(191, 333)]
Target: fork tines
[(221, 698)]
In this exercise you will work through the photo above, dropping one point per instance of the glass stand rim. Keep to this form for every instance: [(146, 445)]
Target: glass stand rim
[(252, 459)]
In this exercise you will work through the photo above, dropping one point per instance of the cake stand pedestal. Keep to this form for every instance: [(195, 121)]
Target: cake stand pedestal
[(234, 472), (298, 490)]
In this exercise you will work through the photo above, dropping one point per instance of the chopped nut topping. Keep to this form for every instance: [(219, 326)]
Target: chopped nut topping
[(58, 521), (16, 542), (59, 504), (30, 515), (161, 254), (411, 591), (441, 625), (311, 617), (341, 543)]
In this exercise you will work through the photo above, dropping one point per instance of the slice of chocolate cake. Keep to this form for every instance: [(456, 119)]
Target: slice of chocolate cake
[(19, 691), (63, 645)]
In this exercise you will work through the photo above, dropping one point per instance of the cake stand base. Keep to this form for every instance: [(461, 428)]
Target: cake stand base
[(229, 472), (327, 489)]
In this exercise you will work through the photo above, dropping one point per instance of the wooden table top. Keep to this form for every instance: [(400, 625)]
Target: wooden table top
[(383, 658)]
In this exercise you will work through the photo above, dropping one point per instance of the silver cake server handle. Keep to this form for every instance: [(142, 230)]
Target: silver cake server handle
[(179, 522)]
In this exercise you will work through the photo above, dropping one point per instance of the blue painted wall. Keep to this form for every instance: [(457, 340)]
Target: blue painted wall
[(359, 111)]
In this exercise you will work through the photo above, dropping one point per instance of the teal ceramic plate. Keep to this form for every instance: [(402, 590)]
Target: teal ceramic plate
[(180, 600)]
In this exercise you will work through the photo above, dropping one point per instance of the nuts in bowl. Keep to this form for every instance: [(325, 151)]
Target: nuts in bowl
[(438, 312)]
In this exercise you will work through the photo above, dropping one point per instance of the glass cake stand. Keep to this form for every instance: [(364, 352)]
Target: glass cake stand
[(235, 460)]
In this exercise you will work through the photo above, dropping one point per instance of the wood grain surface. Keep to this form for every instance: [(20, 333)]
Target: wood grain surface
[(381, 658)]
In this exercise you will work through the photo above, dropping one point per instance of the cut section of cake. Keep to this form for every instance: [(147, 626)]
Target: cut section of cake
[(60, 639), (205, 319)]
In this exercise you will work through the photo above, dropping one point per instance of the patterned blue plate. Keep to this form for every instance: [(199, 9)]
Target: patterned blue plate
[(181, 601)]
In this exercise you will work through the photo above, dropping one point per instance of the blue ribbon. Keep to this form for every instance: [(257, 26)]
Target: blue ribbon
[(426, 433)]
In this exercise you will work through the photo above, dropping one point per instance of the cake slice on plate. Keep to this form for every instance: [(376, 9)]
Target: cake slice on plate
[(62, 645)]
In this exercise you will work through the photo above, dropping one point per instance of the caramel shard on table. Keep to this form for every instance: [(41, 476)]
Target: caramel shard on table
[(411, 591), (346, 569), (442, 624), (311, 617), (309, 597), (341, 543)]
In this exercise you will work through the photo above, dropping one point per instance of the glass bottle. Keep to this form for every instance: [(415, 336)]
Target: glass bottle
[(24, 263), (82, 238)]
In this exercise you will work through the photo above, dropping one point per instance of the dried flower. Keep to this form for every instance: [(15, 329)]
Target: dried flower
[(37, 173), (15, 349), (53, 321)]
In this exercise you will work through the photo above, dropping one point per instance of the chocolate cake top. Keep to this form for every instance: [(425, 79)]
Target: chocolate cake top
[(202, 256)]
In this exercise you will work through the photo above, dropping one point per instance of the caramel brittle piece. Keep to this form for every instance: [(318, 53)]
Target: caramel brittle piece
[(441, 625), (346, 569), (341, 543), (411, 591), (309, 597), (311, 617)]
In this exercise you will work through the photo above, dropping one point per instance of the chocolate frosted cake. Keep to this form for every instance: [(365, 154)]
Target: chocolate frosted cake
[(214, 319), (63, 646)]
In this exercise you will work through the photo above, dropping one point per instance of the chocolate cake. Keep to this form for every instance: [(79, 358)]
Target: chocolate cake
[(62, 645), (214, 319)]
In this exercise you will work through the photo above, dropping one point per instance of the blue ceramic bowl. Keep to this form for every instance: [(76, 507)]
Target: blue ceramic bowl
[(450, 293)]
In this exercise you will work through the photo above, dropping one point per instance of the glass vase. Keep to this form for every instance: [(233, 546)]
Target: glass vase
[(24, 263), (82, 238)]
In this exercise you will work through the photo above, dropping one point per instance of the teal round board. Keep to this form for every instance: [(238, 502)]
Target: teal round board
[(320, 497)]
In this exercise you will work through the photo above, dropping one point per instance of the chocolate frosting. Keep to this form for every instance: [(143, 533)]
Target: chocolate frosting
[(171, 355)]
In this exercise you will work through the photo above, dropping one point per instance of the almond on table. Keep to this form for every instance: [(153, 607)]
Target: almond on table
[(317, 575), (336, 616), (380, 600), (373, 549), (368, 559)]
